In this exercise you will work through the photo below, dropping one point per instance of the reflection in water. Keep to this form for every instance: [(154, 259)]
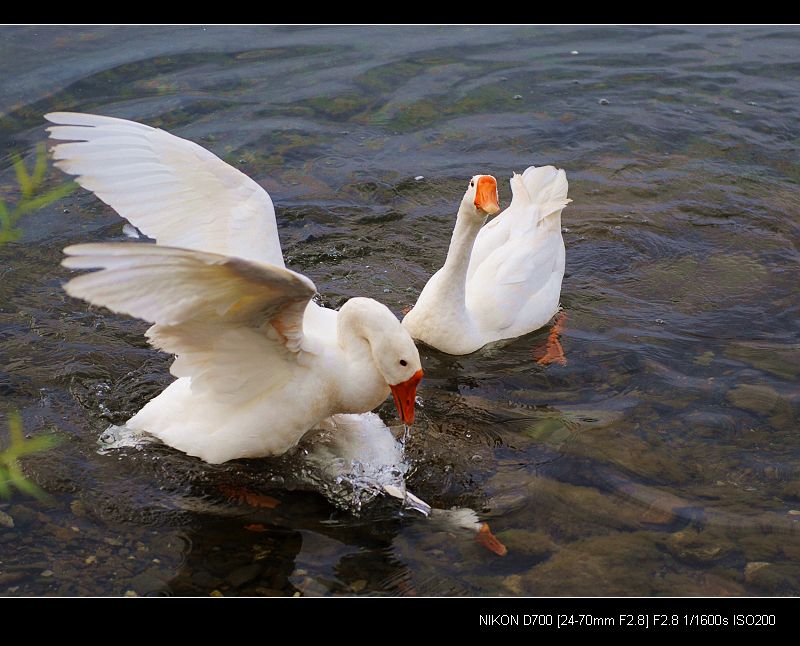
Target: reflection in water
[(663, 458)]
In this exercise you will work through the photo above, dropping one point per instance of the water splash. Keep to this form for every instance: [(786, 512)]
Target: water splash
[(121, 437), (408, 499), (354, 459)]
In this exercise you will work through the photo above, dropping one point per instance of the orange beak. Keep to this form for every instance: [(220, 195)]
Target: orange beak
[(404, 394), (486, 195)]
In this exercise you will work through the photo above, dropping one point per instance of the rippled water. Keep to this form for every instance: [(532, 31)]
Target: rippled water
[(663, 459)]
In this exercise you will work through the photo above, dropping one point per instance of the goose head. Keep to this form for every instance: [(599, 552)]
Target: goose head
[(481, 196), (400, 366), (390, 348)]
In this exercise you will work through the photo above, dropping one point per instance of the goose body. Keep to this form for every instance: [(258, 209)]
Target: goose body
[(258, 363), (501, 280)]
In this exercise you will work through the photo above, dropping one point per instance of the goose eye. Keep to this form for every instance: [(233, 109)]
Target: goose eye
[(403, 362), (471, 184)]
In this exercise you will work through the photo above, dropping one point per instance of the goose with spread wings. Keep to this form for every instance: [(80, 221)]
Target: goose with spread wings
[(258, 363)]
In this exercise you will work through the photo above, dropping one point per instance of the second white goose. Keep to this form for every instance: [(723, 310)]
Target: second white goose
[(501, 280)]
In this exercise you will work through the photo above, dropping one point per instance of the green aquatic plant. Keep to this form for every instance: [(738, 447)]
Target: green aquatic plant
[(19, 446), (31, 198)]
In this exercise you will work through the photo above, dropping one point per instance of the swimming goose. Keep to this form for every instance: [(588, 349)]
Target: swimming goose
[(501, 280)]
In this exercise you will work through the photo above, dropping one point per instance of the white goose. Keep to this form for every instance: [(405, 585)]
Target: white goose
[(501, 280), (258, 363)]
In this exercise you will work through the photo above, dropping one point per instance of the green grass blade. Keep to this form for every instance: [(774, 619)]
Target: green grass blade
[(24, 485), (23, 179), (15, 428), (56, 194), (10, 235), (40, 167)]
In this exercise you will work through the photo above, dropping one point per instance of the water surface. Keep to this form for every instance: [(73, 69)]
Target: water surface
[(663, 459)]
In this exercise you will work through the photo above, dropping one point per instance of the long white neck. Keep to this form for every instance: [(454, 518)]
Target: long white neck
[(453, 275), (360, 385)]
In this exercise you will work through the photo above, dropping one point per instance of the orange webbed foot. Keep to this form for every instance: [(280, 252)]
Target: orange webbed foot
[(247, 497), (490, 541), (553, 352)]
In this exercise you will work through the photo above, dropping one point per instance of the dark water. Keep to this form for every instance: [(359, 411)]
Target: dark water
[(663, 459)]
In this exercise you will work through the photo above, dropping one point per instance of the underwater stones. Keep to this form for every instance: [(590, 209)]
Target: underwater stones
[(780, 359), (245, 574), (514, 584), (695, 285), (773, 578), (714, 585), (148, 582), (705, 358), (759, 547), (698, 548), (751, 568), (24, 516), (756, 398), (658, 515), (764, 401), (549, 430), (524, 542), (790, 548), (6, 520), (206, 580), (616, 564), (358, 586), (579, 510)]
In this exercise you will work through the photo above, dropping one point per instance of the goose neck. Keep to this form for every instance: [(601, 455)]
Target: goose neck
[(468, 224)]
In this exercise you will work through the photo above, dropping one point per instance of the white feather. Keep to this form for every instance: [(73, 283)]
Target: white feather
[(171, 189)]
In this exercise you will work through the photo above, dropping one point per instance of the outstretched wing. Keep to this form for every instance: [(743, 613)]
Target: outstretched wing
[(230, 321), (173, 190)]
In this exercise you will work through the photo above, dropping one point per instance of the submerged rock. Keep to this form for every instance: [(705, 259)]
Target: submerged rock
[(759, 546), (756, 398), (774, 578), (243, 575), (751, 568), (698, 548), (714, 585), (521, 541), (616, 564), (358, 586), (148, 582), (6, 520)]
